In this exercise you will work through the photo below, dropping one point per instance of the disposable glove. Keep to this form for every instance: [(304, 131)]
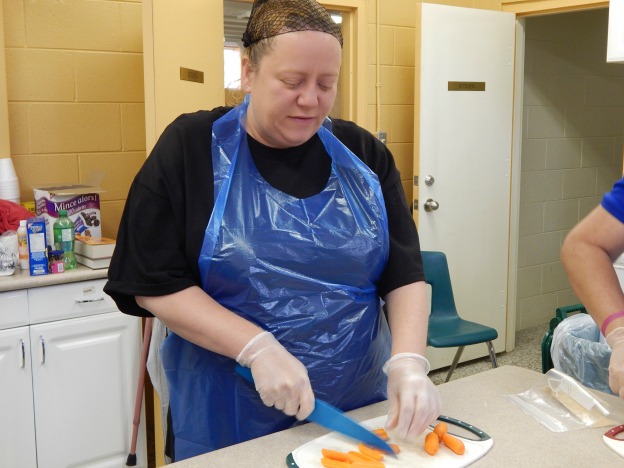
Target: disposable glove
[(414, 399), (615, 339), (280, 378)]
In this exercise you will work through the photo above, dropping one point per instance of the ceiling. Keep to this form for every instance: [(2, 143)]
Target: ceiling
[(235, 16)]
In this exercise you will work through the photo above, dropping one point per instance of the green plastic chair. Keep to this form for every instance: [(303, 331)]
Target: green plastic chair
[(446, 328)]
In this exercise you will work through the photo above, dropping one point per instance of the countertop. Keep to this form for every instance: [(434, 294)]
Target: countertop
[(480, 399), (21, 279)]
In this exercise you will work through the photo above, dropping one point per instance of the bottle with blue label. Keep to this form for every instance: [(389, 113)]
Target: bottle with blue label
[(64, 239)]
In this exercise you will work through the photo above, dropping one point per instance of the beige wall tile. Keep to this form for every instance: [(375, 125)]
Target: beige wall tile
[(397, 85), (398, 13), (131, 27), (119, 170), (582, 121), (38, 170), (536, 89), (40, 75), (133, 127), (597, 152), (536, 310), (73, 24), (111, 212), (541, 186), (563, 153), (14, 32), (554, 278), (487, 4), (611, 121), (579, 183), (541, 248), (545, 122), (403, 156), (401, 124), (404, 43), (386, 45), (109, 77), (531, 219), (74, 128), (18, 127), (606, 176), (560, 214), (587, 204), (567, 297), (529, 281), (567, 90), (533, 155), (371, 44)]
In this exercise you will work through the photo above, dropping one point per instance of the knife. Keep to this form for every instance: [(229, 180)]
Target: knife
[(334, 419)]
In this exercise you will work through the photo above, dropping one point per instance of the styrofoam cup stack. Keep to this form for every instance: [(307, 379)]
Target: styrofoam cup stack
[(9, 185)]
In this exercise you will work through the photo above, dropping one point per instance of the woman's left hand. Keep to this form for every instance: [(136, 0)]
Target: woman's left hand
[(414, 399)]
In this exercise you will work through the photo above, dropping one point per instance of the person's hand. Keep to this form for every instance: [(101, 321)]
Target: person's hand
[(414, 399), (280, 378), (615, 339)]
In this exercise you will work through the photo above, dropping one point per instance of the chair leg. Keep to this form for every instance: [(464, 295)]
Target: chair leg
[(458, 354), (492, 354)]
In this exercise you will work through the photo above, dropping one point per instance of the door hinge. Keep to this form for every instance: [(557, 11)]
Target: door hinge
[(415, 205), (415, 181)]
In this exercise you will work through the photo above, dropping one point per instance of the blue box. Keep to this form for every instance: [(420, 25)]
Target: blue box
[(37, 246)]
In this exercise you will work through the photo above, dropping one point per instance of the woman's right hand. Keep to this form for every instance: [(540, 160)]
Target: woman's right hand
[(280, 378), (615, 339)]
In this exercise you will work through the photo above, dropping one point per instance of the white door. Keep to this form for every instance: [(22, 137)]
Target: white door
[(17, 421), (465, 142), (84, 378)]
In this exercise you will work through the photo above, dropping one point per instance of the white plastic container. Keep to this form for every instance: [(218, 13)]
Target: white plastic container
[(22, 245)]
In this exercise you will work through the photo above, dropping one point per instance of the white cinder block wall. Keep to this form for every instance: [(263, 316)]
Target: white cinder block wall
[(571, 148)]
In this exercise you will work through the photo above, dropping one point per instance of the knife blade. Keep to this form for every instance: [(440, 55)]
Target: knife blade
[(334, 419)]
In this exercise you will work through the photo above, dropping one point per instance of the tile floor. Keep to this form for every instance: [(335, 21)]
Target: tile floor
[(527, 353)]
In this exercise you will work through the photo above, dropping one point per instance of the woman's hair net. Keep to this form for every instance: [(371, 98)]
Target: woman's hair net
[(273, 17)]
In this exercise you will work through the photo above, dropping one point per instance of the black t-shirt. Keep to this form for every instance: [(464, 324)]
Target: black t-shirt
[(171, 199)]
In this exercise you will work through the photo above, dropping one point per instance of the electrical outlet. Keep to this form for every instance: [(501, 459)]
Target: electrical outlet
[(381, 135)]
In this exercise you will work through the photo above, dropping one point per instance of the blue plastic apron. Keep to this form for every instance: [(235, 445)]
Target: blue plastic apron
[(303, 269)]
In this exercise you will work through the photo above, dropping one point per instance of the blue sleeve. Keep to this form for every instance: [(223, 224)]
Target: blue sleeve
[(613, 201)]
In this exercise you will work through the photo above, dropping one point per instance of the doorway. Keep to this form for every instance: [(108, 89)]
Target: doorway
[(573, 127)]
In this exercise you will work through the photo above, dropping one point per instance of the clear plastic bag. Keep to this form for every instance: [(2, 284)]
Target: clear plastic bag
[(562, 404), (579, 350)]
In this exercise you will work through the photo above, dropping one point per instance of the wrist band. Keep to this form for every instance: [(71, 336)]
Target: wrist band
[(610, 319)]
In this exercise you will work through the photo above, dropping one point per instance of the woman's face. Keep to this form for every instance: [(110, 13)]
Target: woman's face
[(293, 88)]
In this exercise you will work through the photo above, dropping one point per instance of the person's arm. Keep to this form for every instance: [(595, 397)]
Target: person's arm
[(587, 254), (280, 378), (414, 399)]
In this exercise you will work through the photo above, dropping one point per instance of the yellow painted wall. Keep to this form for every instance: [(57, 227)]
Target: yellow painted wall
[(74, 73)]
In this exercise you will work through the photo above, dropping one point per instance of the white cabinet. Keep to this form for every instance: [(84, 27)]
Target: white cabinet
[(68, 383)]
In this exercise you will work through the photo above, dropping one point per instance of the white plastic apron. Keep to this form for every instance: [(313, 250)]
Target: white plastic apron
[(303, 269)]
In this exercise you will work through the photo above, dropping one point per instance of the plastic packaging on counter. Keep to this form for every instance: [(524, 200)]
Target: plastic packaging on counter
[(562, 404), (8, 253)]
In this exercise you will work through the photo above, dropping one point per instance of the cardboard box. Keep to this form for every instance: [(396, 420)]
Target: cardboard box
[(82, 203), (37, 246)]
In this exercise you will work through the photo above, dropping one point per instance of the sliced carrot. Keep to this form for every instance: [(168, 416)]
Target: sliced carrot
[(395, 448), (367, 464), (381, 433), (455, 444), (358, 456), (371, 452), (440, 429), (331, 463), (335, 455), (432, 443)]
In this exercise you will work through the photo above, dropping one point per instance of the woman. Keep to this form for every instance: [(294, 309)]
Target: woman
[(266, 235)]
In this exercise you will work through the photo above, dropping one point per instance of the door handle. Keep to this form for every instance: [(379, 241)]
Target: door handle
[(42, 354), (22, 353), (431, 205)]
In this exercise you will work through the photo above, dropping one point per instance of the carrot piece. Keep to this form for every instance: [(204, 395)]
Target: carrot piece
[(335, 455), (455, 444), (432, 443), (371, 452), (440, 429), (381, 433), (359, 456), (367, 464), (331, 463), (395, 448)]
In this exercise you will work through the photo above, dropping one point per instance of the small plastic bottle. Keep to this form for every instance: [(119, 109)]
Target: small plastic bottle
[(22, 245), (64, 239)]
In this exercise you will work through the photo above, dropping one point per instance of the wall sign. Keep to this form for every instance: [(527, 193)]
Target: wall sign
[(466, 85)]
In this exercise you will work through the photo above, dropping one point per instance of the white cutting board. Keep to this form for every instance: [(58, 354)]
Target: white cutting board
[(412, 455)]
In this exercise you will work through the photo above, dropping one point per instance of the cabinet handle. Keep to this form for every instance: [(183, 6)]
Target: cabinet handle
[(23, 354), (42, 354), (82, 301)]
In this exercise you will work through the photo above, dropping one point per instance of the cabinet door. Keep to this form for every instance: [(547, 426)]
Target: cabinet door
[(84, 381), (17, 421)]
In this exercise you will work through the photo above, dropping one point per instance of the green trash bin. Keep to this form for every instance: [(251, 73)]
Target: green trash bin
[(560, 315)]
